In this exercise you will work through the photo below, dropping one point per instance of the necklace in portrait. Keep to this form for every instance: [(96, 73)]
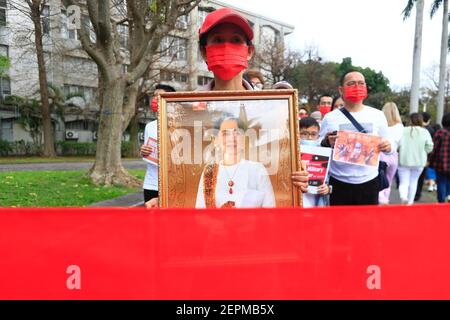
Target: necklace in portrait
[(230, 180)]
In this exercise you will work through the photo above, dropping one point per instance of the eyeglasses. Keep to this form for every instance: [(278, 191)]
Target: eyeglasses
[(306, 134)]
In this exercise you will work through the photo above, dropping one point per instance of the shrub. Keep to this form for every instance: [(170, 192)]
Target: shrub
[(22, 148), (73, 148), (126, 149), (5, 147)]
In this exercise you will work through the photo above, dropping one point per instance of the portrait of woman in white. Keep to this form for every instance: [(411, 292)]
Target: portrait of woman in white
[(232, 181)]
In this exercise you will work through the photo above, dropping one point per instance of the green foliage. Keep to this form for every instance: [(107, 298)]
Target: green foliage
[(5, 63), (126, 149), (30, 118), (376, 81), (25, 148), (73, 148), (408, 9), (55, 188), (5, 148), (314, 77)]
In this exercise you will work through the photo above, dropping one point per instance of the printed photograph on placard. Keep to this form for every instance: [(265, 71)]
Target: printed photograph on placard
[(153, 156), (357, 148), (317, 160)]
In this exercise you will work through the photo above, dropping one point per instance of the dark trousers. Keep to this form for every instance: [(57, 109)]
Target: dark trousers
[(443, 186), (150, 194), (420, 185), (346, 194)]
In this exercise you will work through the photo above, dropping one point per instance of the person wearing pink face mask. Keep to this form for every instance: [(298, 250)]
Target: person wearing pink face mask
[(151, 132), (225, 40), (325, 104), (354, 184)]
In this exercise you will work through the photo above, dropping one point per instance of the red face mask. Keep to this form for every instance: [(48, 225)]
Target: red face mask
[(154, 104), (324, 109), (355, 94), (226, 60)]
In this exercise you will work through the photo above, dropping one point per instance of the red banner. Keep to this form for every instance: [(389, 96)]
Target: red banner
[(386, 252)]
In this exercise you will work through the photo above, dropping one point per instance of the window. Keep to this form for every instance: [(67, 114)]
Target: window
[(45, 18), (87, 22), (7, 124), (5, 86), (202, 13), (77, 125), (3, 13), (124, 68), (174, 47), (182, 22), (201, 81), (74, 34), (65, 32), (173, 76), (123, 35), (4, 50), (86, 92)]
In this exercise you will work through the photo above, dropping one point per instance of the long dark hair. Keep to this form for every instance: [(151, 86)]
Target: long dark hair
[(416, 120)]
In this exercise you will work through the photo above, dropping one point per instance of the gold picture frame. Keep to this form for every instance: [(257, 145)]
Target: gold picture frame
[(199, 135)]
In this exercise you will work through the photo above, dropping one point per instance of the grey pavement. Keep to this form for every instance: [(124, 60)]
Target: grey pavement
[(134, 199), (65, 166), (427, 197)]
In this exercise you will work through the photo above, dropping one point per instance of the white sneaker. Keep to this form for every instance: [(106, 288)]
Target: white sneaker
[(430, 188), (435, 187)]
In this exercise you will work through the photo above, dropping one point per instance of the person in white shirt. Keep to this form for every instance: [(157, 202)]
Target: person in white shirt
[(233, 182), (354, 184), (395, 130), (151, 132)]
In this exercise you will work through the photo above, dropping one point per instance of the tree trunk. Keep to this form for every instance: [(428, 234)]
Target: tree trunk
[(415, 84), (49, 139), (443, 64), (108, 169), (134, 129), (131, 116)]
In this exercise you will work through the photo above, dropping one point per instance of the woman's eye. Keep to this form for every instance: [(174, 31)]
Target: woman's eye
[(218, 40)]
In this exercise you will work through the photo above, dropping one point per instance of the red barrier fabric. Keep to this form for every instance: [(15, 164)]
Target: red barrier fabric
[(390, 252)]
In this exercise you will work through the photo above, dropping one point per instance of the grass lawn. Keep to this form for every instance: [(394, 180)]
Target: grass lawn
[(55, 189), (12, 160)]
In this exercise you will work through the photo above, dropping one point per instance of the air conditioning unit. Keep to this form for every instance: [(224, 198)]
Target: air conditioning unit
[(71, 135), (94, 135), (141, 136)]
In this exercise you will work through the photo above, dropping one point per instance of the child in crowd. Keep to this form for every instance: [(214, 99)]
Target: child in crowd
[(309, 134)]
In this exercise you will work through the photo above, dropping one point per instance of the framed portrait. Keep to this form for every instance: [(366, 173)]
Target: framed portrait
[(228, 149)]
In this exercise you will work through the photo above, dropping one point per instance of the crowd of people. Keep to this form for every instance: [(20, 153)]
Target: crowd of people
[(411, 152)]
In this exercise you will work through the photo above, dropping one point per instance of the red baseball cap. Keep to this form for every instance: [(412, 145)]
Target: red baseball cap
[(226, 15)]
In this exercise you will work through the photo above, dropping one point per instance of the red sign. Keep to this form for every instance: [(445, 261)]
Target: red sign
[(389, 252)]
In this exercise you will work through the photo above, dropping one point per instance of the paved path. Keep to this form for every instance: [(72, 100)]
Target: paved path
[(65, 166), (135, 199)]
